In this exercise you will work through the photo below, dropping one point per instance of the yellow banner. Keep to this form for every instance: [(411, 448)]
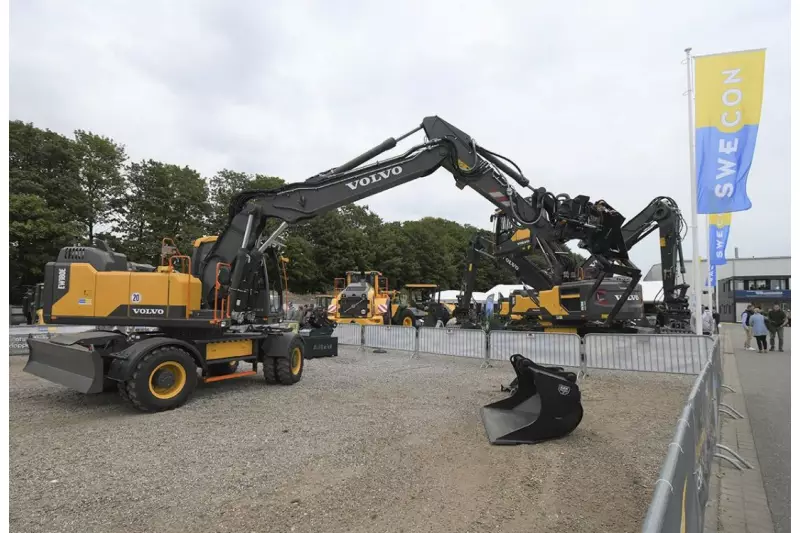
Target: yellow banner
[(720, 220), (729, 90)]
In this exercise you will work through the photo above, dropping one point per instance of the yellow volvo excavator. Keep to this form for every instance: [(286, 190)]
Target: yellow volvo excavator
[(217, 307)]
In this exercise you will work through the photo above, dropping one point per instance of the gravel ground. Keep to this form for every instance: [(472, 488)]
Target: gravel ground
[(364, 443)]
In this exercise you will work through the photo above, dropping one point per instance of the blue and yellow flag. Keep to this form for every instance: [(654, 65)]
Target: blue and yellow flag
[(728, 95), (711, 279), (719, 227)]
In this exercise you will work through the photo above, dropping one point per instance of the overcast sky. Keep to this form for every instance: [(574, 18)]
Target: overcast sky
[(587, 97)]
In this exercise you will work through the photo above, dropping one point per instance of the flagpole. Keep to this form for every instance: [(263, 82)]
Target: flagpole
[(696, 275), (711, 253)]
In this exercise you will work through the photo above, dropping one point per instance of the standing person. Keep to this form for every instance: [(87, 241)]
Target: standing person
[(748, 330), (715, 315), (777, 321), (708, 321), (758, 324)]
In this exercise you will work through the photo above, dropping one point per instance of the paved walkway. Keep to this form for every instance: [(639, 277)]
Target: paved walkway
[(757, 500)]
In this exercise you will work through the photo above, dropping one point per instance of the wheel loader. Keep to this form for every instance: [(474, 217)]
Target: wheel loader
[(361, 297), (216, 308), (418, 304)]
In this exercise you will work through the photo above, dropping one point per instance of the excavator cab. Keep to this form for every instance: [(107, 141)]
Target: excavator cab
[(545, 404)]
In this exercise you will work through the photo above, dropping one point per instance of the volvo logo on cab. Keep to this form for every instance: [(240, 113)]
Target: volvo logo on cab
[(375, 178)]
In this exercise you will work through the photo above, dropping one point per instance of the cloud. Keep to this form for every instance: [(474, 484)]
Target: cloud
[(587, 99)]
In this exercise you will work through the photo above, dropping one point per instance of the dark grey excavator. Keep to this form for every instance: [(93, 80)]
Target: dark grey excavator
[(546, 403), (229, 273)]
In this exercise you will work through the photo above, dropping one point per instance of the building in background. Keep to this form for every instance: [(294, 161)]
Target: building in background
[(761, 281)]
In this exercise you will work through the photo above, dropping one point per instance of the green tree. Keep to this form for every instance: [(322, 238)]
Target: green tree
[(100, 162), (225, 185), (45, 201), (162, 200)]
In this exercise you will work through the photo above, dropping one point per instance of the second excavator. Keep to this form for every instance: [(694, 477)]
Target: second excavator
[(557, 296)]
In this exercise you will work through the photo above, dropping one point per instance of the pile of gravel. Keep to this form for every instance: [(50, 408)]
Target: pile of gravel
[(364, 443)]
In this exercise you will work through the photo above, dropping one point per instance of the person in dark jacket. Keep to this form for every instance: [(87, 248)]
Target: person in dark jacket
[(776, 321), (715, 314)]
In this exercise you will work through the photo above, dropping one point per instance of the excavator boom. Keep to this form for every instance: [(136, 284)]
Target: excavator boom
[(546, 216)]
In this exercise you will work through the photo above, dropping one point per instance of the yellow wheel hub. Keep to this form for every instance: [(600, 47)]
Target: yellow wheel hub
[(167, 380), (297, 360), (408, 321)]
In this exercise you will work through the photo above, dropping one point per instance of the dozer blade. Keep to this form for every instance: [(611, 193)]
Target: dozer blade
[(546, 404), (67, 364)]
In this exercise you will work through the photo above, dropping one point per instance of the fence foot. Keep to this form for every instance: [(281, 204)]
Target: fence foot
[(486, 364), (739, 457), (728, 388), (731, 461), (729, 408)]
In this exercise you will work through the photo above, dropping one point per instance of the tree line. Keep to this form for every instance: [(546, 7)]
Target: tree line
[(70, 190)]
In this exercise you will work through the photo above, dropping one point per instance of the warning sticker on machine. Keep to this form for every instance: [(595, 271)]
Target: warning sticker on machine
[(85, 301), (136, 297)]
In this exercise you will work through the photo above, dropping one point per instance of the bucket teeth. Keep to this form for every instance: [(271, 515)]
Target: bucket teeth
[(545, 404)]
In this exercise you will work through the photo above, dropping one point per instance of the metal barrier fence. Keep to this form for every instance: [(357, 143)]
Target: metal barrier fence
[(451, 341), (681, 492), (673, 353), (348, 333), (562, 349), (18, 336), (681, 354), (390, 338)]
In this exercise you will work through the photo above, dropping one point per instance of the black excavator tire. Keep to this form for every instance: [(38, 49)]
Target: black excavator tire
[(285, 370), (138, 390)]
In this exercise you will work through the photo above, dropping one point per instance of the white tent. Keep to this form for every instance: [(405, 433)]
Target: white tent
[(503, 290), (652, 291)]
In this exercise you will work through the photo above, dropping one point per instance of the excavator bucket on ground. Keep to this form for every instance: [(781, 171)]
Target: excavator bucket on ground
[(544, 405)]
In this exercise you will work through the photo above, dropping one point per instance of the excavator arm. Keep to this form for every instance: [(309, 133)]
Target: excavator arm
[(513, 258), (663, 214), (548, 217)]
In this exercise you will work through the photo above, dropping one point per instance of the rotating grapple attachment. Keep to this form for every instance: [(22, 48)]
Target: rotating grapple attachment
[(545, 404)]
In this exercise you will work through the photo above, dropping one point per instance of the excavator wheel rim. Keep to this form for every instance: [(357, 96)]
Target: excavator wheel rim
[(179, 380), (297, 360), (408, 321)]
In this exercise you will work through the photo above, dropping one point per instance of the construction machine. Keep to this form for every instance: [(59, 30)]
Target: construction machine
[(521, 309), (361, 297), (32, 304), (218, 308), (553, 300), (195, 328), (418, 304), (663, 214), (325, 302)]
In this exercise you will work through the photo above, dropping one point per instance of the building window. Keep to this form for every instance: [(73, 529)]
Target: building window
[(777, 284), (756, 284), (740, 285)]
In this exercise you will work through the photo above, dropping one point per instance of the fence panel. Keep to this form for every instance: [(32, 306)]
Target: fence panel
[(348, 333), (563, 349), (678, 354), (453, 341), (18, 336), (682, 490), (390, 337)]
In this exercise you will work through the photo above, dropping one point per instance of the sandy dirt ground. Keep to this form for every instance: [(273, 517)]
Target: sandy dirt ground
[(364, 443)]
